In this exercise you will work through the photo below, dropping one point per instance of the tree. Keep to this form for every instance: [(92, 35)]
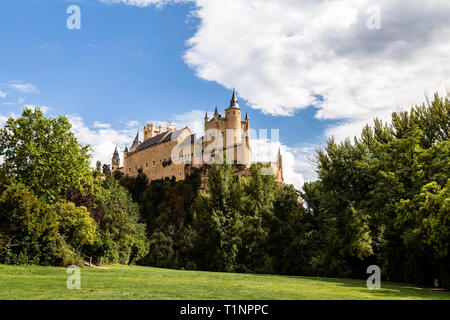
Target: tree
[(98, 166), (258, 196), (382, 199), (121, 234), (106, 169), (28, 229), (217, 220), (75, 224), (44, 154)]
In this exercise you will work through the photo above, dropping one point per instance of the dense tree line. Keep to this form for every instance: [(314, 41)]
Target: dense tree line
[(384, 199), (56, 210), (238, 225)]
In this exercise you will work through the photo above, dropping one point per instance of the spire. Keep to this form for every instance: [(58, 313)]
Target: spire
[(206, 115), (126, 149), (215, 111), (136, 140), (246, 116), (234, 101), (116, 154)]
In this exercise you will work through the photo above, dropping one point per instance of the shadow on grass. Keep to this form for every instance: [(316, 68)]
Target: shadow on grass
[(388, 290)]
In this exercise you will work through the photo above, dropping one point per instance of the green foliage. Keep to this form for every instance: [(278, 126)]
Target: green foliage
[(43, 154), (75, 224), (166, 209), (121, 234), (217, 220), (29, 230), (106, 169), (382, 199)]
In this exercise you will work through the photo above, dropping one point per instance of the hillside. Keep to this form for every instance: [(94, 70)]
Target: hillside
[(134, 282)]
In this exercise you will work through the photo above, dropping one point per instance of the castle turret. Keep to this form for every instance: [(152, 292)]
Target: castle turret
[(149, 131), (216, 114), (115, 162), (206, 119), (246, 129), (135, 143), (280, 166)]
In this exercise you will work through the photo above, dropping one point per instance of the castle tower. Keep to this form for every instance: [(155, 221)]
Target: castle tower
[(115, 162), (149, 131), (233, 121)]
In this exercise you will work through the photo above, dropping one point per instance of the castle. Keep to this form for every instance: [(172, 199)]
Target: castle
[(174, 153)]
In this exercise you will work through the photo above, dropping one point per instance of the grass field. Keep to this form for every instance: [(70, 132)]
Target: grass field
[(133, 282)]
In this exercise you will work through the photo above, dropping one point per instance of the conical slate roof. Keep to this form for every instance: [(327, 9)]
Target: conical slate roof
[(116, 154), (234, 101), (136, 140)]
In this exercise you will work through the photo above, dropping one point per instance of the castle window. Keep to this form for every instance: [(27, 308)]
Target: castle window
[(153, 162), (234, 112), (146, 164)]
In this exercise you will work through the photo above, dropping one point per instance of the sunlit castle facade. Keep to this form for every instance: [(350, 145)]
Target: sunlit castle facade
[(167, 153)]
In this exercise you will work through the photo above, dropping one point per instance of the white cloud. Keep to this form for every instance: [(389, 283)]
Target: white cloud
[(286, 55), (2, 94), (133, 124), (51, 47), (102, 139), (142, 3), (283, 55), (101, 125), (44, 109), (297, 162), (193, 119), (23, 87)]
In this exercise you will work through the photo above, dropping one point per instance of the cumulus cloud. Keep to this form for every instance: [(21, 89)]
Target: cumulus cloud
[(23, 87), (287, 55), (193, 119), (101, 125), (2, 94)]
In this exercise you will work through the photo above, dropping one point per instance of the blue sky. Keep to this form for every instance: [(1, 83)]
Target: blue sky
[(131, 63)]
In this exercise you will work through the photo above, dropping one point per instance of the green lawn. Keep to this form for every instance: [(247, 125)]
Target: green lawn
[(132, 282)]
